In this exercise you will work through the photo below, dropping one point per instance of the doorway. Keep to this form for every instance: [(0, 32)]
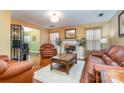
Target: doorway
[(32, 38)]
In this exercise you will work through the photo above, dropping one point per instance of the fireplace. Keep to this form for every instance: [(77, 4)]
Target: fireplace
[(70, 49), (70, 45)]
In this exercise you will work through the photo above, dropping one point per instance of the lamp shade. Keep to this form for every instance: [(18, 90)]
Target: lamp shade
[(103, 41)]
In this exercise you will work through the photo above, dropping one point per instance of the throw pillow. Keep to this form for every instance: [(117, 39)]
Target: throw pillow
[(97, 53), (120, 56), (108, 48), (107, 59), (112, 52)]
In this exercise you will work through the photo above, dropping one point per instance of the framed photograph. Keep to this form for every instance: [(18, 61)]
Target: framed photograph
[(33, 38), (121, 24), (70, 33)]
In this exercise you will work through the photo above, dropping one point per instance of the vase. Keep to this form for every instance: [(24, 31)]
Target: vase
[(81, 52), (58, 49)]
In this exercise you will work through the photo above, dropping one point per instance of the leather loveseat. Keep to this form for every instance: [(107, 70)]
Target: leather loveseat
[(48, 50), (15, 72), (112, 58)]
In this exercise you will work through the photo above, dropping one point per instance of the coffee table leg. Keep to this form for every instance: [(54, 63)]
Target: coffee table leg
[(67, 69), (76, 60), (51, 67)]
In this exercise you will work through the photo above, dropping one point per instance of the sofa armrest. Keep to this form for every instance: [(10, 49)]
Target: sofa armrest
[(4, 57), (16, 68)]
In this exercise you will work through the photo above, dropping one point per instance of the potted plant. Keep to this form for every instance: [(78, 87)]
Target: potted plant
[(82, 45), (59, 45)]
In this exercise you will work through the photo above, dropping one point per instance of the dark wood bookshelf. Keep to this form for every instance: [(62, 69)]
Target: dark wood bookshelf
[(17, 40)]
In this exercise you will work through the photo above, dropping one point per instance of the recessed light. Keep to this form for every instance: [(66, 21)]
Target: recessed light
[(100, 15)]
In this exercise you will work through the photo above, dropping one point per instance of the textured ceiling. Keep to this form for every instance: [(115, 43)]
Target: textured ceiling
[(68, 17)]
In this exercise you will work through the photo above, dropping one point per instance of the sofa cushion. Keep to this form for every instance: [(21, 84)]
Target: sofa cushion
[(107, 59), (120, 56), (3, 66), (98, 68), (112, 52)]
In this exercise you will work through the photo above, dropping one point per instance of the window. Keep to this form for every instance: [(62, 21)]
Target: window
[(93, 37), (53, 37)]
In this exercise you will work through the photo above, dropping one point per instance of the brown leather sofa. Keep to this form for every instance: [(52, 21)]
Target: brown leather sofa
[(15, 72), (48, 50), (112, 58)]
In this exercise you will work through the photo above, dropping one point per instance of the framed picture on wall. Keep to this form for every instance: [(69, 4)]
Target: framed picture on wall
[(34, 38), (121, 24), (70, 33)]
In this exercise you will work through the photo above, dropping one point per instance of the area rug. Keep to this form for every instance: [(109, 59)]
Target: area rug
[(54, 76)]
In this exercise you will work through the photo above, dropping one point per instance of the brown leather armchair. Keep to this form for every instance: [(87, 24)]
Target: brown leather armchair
[(48, 50), (15, 72)]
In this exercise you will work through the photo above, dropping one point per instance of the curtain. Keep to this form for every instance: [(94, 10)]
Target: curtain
[(93, 37), (53, 37)]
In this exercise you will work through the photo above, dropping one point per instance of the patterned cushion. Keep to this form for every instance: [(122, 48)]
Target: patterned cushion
[(112, 52), (112, 76), (120, 56), (105, 77), (107, 59), (98, 68), (3, 66), (107, 49)]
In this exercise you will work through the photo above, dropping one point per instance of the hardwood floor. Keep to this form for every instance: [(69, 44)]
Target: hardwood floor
[(38, 61), (42, 62)]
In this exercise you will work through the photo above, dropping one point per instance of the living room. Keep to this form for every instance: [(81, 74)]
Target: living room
[(98, 33), (61, 46)]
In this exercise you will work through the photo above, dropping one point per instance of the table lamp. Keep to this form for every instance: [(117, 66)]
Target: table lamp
[(103, 42)]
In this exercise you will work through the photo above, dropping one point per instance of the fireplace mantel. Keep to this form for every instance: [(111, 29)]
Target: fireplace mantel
[(69, 40)]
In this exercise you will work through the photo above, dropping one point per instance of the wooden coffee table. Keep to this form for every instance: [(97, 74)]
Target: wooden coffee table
[(65, 59)]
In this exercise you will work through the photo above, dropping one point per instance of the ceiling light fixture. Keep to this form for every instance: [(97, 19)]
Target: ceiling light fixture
[(54, 16), (54, 19)]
